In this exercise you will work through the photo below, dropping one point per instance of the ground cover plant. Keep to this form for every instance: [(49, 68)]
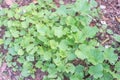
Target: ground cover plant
[(54, 39)]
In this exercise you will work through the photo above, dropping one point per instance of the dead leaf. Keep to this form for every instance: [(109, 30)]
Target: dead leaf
[(118, 1), (3, 67), (35, 1), (57, 3), (105, 41), (9, 2), (118, 19), (104, 18)]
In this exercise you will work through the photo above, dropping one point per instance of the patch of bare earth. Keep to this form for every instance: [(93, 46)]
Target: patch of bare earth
[(110, 14)]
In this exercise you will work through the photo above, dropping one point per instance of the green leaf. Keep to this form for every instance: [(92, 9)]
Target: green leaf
[(25, 73), (1, 41), (57, 61), (85, 21), (95, 56), (117, 66), (63, 45), (38, 64), (9, 58), (116, 37), (70, 20), (9, 23), (96, 71), (62, 10), (79, 68), (30, 58), (71, 56), (14, 33), (41, 29), (117, 76), (79, 71), (52, 71), (25, 24), (10, 14), (7, 34), (20, 52), (40, 50), (12, 51), (2, 12), (74, 77), (110, 55), (93, 3), (79, 75), (61, 68), (21, 59), (63, 54), (58, 31), (47, 56), (27, 65), (106, 76), (17, 16), (82, 6), (30, 47), (80, 55), (109, 31), (34, 50), (42, 38), (79, 37), (74, 29), (70, 68), (90, 32), (53, 44)]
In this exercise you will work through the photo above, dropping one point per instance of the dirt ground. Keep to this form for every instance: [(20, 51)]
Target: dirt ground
[(110, 15)]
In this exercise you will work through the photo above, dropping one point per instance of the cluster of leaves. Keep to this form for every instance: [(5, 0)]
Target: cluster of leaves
[(50, 38)]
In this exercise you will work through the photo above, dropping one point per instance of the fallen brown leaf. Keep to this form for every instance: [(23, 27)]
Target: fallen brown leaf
[(3, 67), (35, 1), (118, 1), (9, 2), (104, 18), (118, 19), (105, 41)]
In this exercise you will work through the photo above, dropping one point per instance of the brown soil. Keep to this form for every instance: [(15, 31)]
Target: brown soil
[(111, 16), (19, 2)]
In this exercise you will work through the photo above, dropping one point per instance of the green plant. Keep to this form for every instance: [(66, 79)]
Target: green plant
[(1, 41), (1, 59), (116, 37), (50, 38)]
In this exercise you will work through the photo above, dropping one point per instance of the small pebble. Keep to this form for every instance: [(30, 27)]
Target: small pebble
[(104, 11), (107, 46), (102, 6), (103, 22), (0, 7)]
